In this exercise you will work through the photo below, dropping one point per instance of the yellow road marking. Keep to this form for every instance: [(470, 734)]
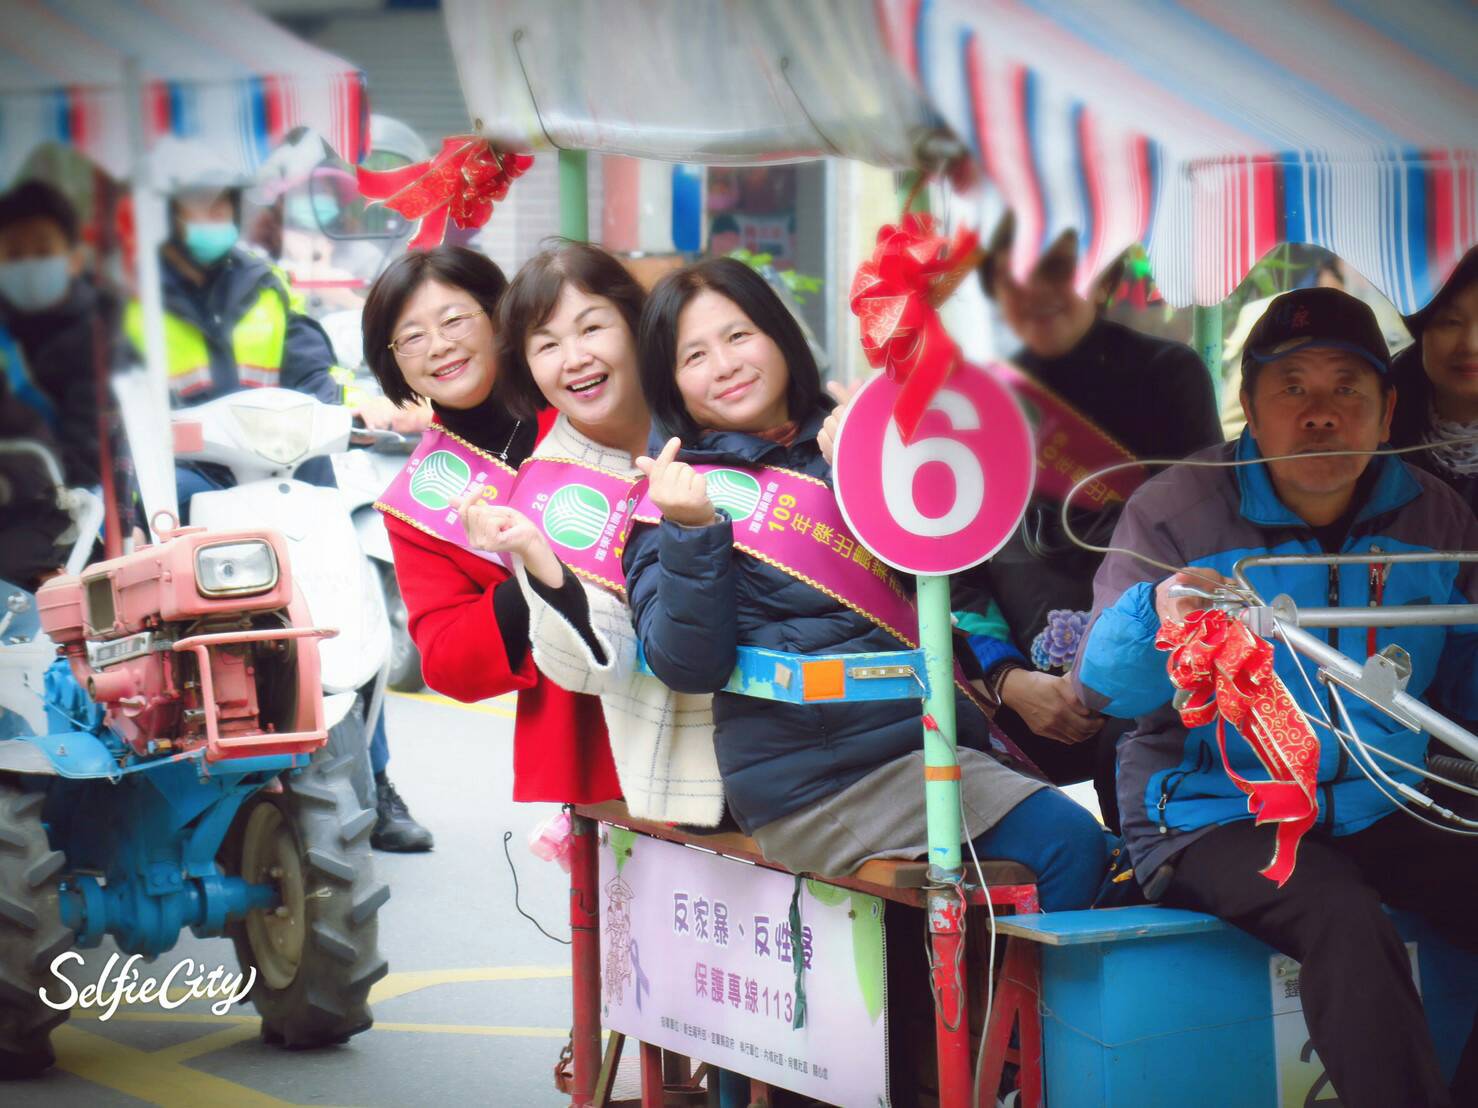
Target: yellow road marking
[(390, 987), (160, 1077), (144, 1075), (399, 984), (243, 1029), (502, 707)]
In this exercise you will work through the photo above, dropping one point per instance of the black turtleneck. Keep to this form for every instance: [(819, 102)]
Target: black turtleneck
[(1151, 394), (489, 426)]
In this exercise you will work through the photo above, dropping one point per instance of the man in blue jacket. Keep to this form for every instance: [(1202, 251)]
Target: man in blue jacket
[(1314, 379)]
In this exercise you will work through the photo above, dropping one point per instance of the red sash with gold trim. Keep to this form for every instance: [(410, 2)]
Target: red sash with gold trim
[(1070, 446)]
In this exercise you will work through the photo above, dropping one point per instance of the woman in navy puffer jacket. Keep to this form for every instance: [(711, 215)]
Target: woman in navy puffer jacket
[(824, 787)]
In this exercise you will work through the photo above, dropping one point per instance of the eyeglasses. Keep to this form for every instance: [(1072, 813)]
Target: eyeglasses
[(452, 329)]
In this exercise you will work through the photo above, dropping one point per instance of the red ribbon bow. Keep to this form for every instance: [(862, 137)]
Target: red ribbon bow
[(461, 182), (1227, 674), (894, 297)]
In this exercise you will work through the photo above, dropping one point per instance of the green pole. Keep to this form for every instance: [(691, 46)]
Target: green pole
[(906, 181), (574, 195), (1206, 340), (941, 787)]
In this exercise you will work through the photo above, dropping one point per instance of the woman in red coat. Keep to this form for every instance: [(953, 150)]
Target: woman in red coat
[(428, 332)]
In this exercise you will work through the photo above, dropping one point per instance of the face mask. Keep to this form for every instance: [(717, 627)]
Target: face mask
[(208, 243), (34, 284), (313, 212)]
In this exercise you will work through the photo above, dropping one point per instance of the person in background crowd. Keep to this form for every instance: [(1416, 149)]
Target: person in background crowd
[(61, 321), (1437, 380), (430, 333), (1155, 399), (730, 380), (1315, 379), (232, 322), (30, 521)]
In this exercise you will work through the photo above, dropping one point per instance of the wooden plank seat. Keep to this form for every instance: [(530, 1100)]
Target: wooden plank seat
[(893, 879)]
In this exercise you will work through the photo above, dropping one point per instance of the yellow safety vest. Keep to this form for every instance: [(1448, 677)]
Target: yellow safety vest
[(257, 343)]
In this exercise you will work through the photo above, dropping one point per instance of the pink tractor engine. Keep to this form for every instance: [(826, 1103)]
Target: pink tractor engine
[(200, 640)]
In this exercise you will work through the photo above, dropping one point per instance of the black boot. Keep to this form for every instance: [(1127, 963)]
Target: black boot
[(395, 828)]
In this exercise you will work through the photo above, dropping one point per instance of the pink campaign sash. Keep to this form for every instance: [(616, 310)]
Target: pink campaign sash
[(792, 522), (1070, 445), (441, 469), (583, 511), (786, 519)]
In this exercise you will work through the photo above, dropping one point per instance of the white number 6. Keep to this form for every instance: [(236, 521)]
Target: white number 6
[(901, 463)]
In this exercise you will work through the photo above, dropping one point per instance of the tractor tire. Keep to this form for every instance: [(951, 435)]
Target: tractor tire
[(31, 934), (316, 961), (348, 740), (405, 656)]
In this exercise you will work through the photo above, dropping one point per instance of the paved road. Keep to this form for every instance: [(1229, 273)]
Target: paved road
[(477, 1003)]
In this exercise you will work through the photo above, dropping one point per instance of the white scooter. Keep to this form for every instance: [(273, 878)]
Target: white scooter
[(362, 476), (263, 436)]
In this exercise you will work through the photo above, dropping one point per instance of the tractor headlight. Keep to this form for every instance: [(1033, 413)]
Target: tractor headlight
[(235, 568)]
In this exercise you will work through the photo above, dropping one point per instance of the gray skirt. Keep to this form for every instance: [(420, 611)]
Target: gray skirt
[(882, 816)]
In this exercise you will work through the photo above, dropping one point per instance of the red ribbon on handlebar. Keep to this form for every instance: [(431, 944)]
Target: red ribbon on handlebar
[(1227, 672), (462, 183), (895, 295)]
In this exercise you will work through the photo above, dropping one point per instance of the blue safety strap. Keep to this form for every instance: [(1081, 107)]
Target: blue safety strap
[(821, 678), (20, 381)]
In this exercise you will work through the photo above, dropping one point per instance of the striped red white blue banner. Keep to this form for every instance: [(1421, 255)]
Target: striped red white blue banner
[(221, 73), (1212, 132)]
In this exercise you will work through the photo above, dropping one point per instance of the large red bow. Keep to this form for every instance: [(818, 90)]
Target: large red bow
[(461, 182), (894, 297), (1227, 674)]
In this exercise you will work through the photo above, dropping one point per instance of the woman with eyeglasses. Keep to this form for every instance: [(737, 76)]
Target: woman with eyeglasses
[(430, 333), (1025, 609)]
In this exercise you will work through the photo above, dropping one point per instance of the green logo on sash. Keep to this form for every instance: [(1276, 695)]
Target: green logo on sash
[(576, 515), (439, 480), (734, 491)]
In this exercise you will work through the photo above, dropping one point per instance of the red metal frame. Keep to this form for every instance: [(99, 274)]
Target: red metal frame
[(585, 959), (946, 909), (217, 746), (1016, 1006)]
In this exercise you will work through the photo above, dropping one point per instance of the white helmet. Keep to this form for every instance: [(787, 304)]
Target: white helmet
[(181, 164), (393, 137)]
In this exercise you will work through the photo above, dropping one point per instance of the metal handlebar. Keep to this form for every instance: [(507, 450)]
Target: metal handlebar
[(41, 454)]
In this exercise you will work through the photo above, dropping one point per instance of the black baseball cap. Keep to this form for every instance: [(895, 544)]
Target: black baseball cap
[(1317, 317)]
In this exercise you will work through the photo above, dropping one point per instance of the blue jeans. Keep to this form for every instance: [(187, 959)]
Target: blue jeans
[(379, 746), (1058, 840)]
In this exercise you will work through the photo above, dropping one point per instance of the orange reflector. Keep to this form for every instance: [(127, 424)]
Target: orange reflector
[(941, 773), (823, 680)]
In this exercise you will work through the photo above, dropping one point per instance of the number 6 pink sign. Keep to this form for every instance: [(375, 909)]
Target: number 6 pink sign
[(952, 497)]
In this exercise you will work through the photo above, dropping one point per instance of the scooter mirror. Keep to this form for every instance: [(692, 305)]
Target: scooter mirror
[(342, 214)]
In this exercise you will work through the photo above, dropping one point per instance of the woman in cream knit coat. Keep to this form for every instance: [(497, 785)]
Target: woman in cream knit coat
[(567, 332)]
